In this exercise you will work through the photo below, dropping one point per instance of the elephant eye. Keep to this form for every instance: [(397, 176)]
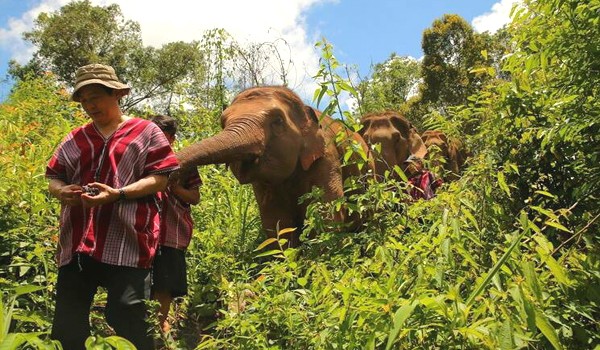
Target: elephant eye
[(277, 121)]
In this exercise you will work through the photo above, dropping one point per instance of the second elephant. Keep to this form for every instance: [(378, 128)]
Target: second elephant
[(397, 138)]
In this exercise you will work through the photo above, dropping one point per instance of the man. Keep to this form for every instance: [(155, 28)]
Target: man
[(106, 175)]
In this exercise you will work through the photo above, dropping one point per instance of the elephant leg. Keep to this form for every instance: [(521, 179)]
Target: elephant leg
[(278, 213)]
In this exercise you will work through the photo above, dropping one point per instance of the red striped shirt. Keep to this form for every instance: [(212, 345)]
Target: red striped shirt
[(122, 233), (176, 223)]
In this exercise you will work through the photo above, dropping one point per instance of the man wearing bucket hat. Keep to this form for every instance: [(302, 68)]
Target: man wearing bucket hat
[(106, 175)]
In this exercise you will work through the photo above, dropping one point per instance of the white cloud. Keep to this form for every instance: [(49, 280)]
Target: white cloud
[(496, 18), (11, 36), (183, 20)]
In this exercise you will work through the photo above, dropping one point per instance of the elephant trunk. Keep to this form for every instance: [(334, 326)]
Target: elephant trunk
[(230, 145)]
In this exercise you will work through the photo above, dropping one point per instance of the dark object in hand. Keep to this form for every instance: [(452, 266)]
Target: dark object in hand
[(92, 191)]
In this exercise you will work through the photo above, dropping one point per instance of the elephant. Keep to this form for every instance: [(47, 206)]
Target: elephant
[(397, 137), (444, 153), (271, 140)]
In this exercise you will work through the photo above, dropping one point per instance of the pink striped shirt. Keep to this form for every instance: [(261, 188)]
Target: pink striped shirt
[(176, 223), (122, 233)]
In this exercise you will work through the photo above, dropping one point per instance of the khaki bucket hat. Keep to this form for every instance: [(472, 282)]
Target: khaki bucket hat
[(97, 74)]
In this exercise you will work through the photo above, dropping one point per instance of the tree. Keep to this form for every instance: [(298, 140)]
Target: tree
[(79, 33), (451, 50), (390, 85)]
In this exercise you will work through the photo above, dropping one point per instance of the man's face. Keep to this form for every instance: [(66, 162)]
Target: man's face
[(97, 102), (170, 137)]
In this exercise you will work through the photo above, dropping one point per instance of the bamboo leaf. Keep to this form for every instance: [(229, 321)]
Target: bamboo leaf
[(506, 336), (557, 225), (400, 317), (285, 230), (502, 183), (557, 270), (547, 330), (496, 268), (269, 253), (12, 341), (265, 243), (531, 279), (20, 290)]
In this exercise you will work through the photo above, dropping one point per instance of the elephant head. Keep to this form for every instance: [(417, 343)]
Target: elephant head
[(396, 136), (271, 140), (445, 153)]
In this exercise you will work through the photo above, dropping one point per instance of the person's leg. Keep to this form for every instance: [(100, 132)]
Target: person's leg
[(75, 291), (169, 280), (127, 288), (165, 299)]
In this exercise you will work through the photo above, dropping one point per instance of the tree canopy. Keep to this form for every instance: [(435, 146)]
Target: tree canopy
[(451, 50)]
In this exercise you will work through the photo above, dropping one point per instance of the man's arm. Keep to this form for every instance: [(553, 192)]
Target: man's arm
[(148, 185), (188, 195), (65, 193)]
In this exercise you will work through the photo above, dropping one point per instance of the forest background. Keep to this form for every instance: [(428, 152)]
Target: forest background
[(506, 257)]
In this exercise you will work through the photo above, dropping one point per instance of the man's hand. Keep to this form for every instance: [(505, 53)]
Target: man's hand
[(105, 194), (69, 194)]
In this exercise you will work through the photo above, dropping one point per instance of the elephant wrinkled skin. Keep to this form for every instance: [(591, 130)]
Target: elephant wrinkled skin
[(283, 148), (397, 137), (443, 153)]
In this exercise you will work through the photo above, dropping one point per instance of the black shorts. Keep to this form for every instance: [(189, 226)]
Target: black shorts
[(169, 272)]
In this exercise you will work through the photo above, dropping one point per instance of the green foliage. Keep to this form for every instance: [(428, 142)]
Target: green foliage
[(80, 33), (35, 118), (332, 85), (451, 50), (390, 85)]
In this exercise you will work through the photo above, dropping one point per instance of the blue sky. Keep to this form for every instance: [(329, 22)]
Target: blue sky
[(362, 32), (366, 32)]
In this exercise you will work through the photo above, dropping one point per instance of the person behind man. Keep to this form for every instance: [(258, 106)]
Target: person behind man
[(169, 278), (422, 183), (106, 175)]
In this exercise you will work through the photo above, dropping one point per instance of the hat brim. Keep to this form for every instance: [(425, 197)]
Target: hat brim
[(111, 84)]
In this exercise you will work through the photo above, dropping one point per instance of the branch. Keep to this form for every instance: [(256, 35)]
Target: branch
[(578, 234)]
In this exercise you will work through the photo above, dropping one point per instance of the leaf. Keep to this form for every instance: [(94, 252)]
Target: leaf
[(545, 193), (20, 290), (12, 341), (506, 336), (531, 279), (502, 183), (557, 270), (543, 211), (268, 253), (547, 330), (120, 343), (496, 267), (285, 230), (557, 225), (529, 311), (400, 317), (265, 243)]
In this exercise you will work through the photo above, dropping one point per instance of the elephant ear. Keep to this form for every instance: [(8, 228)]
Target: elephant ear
[(416, 146), (415, 143), (443, 137), (313, 146), (454, 155), (366, 124)]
